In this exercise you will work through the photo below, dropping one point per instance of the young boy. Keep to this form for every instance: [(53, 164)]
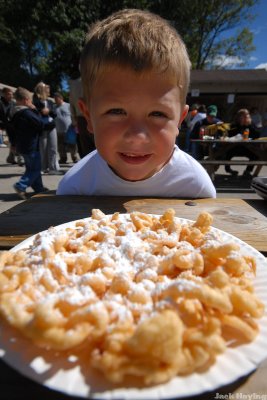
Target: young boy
[(135, 72), (27, 125)]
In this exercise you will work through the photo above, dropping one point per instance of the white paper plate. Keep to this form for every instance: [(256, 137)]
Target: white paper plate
[(63, 372)]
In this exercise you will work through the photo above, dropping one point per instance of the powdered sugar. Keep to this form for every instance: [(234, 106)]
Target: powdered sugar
[(126, 264)]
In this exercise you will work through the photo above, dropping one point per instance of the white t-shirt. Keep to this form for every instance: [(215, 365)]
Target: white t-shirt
[(181, 177)]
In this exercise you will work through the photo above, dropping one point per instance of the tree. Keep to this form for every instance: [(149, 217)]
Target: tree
[(204, 26), (49, 44), (42, 39)]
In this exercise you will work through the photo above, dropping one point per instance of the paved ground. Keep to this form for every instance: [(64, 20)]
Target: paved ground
[(9, 174)]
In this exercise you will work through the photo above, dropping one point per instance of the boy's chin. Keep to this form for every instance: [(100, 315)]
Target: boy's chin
[(134, 178), (130, 176)]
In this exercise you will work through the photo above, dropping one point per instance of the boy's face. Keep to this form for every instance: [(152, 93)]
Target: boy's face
[(135, 121)]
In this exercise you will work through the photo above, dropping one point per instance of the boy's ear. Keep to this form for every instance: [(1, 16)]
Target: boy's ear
[(183, 114), (182, 117), (84, 109)]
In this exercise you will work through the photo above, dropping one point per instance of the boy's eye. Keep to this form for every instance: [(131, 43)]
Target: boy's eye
[(116, 111), (158, 114)]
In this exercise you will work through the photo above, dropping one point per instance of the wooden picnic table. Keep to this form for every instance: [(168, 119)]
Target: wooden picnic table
[(217, 148), (234, 216)]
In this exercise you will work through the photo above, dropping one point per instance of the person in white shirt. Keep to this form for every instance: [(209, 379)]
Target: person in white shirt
[(256, 117), (201, 114), (134, 101)]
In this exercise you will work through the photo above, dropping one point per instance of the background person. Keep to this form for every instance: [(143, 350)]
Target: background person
[(48, 139), (193, 110), (200, 115), (264, 124), (28, 127), (85, 138), (134, 111), (241, 122), (7, 105), (63, 122), (210, 119), (256, 117)]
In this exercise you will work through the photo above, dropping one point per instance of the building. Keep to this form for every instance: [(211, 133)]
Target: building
[(229, 90)]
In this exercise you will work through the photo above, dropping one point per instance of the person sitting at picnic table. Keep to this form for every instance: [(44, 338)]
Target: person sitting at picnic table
[(134, 102), (193, 111), (242, 122), (198, 151), (256, 117)]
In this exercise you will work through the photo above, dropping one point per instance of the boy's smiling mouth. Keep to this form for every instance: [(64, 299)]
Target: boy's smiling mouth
[(133, 158)]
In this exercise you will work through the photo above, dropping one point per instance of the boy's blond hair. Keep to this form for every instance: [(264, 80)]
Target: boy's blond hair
[(137, 39), (22, 94)]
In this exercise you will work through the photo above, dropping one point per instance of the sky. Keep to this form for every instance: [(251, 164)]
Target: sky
[(258, 58)]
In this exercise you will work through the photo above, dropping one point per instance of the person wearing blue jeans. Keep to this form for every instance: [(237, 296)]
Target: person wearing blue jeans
[(32, 176), (27, 127)]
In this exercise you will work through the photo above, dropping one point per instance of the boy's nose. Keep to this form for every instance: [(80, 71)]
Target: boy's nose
[(137, 131)]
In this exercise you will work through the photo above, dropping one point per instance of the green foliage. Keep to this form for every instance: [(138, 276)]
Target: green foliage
[(204, 24), (42, 39)]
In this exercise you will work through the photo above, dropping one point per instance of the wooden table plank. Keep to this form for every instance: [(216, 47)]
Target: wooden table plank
[(234, 216), (217, 149)]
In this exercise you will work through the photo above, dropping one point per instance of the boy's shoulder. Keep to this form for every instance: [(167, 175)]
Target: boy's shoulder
[(185, 160)]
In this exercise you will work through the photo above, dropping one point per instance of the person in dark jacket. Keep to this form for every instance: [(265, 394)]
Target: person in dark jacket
[(28, 126), (7, 105), (48, 138)]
